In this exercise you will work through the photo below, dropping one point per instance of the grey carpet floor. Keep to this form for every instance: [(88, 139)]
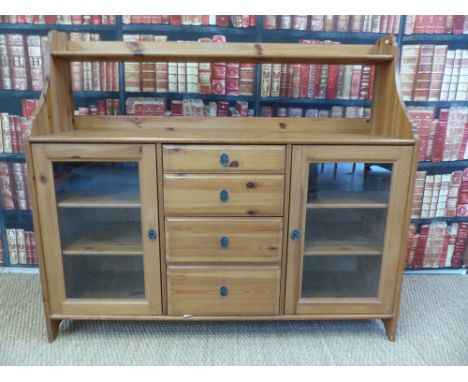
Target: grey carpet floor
[(433, 330)]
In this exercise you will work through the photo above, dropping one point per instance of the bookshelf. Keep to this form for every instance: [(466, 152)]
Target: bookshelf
[(11, 100)]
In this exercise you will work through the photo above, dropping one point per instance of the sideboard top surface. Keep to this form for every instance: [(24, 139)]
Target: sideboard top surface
[(125, 129)]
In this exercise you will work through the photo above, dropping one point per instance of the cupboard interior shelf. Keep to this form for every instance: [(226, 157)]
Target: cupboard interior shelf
[(98, 185), (96, 201), (337, 238), (105, 238), (347, 199), (339, 248)]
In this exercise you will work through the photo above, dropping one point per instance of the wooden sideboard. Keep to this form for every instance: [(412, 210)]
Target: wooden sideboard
[(198, 218)]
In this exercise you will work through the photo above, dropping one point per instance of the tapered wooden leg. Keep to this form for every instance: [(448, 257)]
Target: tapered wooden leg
[(390, 328), (52, 329)]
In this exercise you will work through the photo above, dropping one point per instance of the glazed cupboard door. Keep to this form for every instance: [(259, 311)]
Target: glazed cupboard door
[(345, 228), (99, 221)]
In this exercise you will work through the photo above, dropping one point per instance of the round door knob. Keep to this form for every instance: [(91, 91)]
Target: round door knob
[(295, 235)]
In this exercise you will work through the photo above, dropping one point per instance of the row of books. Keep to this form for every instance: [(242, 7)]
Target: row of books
[(21, 65), (334, 112), (58, 19), (334, 23), (12, 130), (186, 107), (96, 75), (326, 81), (14, 187), (189, 106), (22, 68), (433, 73), (437, 245), (21, 246), (441, 195), (237, 21), (188, 77), (21, 61), (108, 106), (442, 139), (436, 24)]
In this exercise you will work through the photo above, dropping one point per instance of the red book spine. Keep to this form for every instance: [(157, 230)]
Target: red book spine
[(443, 252), (14, 140), (461, 153), (289, 81), (96, 19), (424, 73), (429, 25), (458, 21), (421, 247), (6, 187), (222, 20), (439, 24), (355, 81), (365, 82), (454, 189), (18, 65), (420, 24), (371, 82), (460, 244), (175, 19), (296, 78), (332, 81), (318, 70), (283, 80), (424, 129), (409, 252), (304, 80), (110, 76), (439, 141)]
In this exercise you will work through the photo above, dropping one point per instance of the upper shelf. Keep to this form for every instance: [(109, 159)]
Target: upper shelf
[(230, 52)]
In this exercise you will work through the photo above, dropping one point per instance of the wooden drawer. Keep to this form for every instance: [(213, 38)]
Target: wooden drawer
[(223, 158), (223, 195), (220, 291), (224, 239)]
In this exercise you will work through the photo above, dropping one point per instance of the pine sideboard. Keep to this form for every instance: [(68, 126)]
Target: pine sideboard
[(199, 218)]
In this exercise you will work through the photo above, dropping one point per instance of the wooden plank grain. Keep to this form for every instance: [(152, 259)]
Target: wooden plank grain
[(230, 52)]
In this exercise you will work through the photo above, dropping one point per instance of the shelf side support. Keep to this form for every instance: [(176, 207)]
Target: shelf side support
[(389, 117)]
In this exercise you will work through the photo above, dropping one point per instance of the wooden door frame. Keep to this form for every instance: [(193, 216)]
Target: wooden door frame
[(400, 157), (145, 154)]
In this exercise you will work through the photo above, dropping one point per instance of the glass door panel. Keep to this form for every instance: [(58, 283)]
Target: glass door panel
[(100, 229), (345, 219)]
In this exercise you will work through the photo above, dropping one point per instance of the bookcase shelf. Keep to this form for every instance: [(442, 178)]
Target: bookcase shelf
[(442, 167), (449, 39), (455, 219), (439, 104), (12, 157)]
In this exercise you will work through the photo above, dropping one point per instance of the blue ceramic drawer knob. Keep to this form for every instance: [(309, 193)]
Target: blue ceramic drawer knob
[(223, 291), (224, 196), (224, 159), (224, 241)]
